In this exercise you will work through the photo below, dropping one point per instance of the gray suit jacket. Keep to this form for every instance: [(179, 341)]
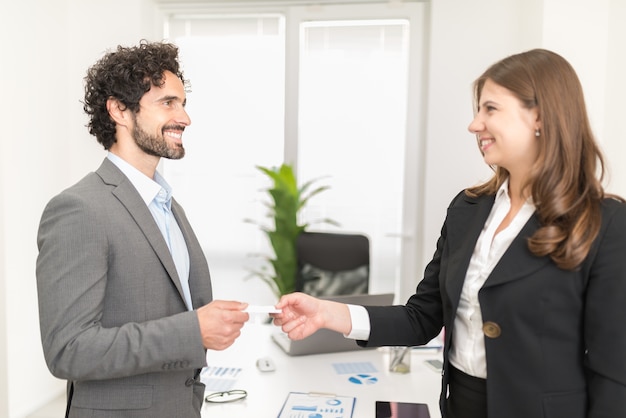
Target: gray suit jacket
[(112, 313)]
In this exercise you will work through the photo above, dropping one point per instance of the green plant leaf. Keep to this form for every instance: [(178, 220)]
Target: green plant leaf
[(286, 202)]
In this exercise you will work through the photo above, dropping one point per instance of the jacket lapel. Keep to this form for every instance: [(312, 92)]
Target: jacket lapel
[(126, 193), (518, 261), (199, 277), (464, 223)]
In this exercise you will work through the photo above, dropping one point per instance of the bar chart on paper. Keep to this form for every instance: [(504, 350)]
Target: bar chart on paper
[(317, 405), (219, 378)]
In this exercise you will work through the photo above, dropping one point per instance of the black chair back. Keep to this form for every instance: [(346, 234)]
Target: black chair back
[(331, 264)]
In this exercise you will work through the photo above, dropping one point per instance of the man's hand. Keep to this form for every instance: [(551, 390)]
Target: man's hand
[(221, 322)]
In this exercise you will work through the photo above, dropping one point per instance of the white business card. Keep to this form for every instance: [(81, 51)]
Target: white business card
[(268, 309)]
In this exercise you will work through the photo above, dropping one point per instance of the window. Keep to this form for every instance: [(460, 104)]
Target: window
[(352, 122), (325, 89)]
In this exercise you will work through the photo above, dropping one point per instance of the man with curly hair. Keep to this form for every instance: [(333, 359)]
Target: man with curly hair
[(125, 299)]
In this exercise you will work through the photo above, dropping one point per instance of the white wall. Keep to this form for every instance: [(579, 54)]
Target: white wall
[(5, 31), (29, 131), (614, 135), (48, 45), (4, 396)]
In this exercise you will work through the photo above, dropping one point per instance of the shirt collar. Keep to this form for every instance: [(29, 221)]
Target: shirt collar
[(503, 194), (503, 191), (147, 188)]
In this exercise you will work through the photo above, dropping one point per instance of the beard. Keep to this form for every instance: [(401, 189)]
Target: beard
[(157, 145)]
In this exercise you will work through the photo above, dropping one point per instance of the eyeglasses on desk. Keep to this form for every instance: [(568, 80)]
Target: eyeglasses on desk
[(226, 396)]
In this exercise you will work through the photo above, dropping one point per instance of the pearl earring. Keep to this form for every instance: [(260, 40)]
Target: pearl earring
[(537, 133)]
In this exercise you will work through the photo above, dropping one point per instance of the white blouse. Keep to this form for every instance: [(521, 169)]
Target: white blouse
[(468, 341)]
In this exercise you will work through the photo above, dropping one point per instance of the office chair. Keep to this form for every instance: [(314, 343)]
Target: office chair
[(331, 264)]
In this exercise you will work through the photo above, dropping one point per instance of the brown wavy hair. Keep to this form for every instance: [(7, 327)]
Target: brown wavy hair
[(565, 181), (125, 74)]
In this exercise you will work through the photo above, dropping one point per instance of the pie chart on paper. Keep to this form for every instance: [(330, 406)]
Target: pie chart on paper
[(363, 379)]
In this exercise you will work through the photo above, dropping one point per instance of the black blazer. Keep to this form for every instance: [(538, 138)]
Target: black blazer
[(556, 345)]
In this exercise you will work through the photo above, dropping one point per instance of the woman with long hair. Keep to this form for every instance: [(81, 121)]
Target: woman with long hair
[(529, 274)]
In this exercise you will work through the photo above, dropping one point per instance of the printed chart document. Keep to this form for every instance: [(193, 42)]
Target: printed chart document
[(317, 405)]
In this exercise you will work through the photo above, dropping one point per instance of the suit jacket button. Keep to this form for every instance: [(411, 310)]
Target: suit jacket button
[(491, 329), (190, 381)]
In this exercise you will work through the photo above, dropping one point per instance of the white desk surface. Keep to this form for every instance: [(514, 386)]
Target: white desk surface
[(267, 391)]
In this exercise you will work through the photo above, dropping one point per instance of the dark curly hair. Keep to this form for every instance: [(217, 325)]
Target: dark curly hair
[(125, 74)]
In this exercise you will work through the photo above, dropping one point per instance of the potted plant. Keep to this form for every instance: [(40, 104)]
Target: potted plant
[(287, 200)]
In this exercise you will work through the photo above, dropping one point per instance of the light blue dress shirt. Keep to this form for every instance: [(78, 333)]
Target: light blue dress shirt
[(157, 195)]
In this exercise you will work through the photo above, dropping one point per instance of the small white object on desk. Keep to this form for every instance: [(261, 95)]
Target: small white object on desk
[(265, 364)]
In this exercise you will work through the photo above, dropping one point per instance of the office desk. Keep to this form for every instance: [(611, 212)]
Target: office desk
[(267, 391)]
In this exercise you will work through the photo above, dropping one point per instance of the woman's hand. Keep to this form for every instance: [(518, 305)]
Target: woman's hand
[(302, 315)]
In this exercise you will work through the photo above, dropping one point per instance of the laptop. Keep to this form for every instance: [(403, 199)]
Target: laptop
[(327, 341)]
